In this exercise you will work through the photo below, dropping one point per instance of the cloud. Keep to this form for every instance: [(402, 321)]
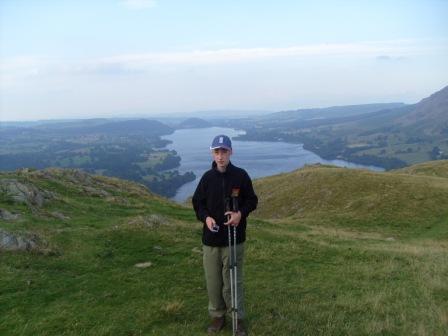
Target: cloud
[(139, 4), (131, 64), (387, 58), (248, 54)]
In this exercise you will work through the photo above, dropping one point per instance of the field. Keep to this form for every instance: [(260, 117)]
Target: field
[(307, 274)]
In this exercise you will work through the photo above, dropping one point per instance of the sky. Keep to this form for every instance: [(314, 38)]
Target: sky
[(119, 58)]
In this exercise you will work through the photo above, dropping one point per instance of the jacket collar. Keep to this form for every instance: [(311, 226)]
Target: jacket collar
[(229, 167)]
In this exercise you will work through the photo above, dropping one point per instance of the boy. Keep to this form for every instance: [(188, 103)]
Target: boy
[(210, 201)]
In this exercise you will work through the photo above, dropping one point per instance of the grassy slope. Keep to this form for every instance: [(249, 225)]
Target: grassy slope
[(432, 168), (390, 202), (306, 274)]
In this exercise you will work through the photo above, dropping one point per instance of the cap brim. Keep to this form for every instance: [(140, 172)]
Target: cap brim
[(224, 147)]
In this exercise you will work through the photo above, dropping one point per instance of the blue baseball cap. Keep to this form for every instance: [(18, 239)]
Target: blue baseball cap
[(221, 141)]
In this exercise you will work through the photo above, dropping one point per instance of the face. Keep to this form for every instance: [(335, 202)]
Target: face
[(222, 157)]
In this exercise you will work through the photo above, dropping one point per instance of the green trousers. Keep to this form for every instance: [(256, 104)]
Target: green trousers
[(217, 276)]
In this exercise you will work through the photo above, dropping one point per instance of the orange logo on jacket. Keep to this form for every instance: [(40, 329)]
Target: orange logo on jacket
[(235, 192)]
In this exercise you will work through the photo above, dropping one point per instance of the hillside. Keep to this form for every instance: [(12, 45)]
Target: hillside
[(431, 168), (109, 127), (393, 137), (92, 255), (332, 112), (369, 199), (128, 149), (281, 121), (413, 134), (429, 115), (194, 123)]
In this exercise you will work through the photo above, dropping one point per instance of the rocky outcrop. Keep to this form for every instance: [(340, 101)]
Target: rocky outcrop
[(92, 185), (59, 215), (27, 193), (149, 221), (75, 176), (8, 216), (91, 191), (15, 242)]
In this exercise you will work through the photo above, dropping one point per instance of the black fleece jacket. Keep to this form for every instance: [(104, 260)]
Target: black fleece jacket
[(210, 196)]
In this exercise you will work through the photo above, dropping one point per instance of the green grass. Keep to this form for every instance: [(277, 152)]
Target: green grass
[(311, 274), (383, 199), (432, 168), (327, 281)]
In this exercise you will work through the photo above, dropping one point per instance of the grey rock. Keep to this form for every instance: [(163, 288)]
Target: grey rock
[(14, 242), (59, 215), (74, 176), (118, 200), (144, 264), (26, 193), (95, 192), (155, 220), (78, 176), (6, 215), (150, 221)]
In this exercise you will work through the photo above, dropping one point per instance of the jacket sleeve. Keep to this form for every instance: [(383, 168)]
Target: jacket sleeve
[(249, 199), (200, 201)]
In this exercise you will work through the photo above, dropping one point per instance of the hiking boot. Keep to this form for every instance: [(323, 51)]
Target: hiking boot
[(240, 330), (216, 325)]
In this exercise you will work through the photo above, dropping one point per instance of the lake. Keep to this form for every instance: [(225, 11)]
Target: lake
[(258, 158)]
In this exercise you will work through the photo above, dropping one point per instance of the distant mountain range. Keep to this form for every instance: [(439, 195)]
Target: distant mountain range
[(430, 115), (390, 135), (386, 135), (194, 123), (104, 126), (331, 112)]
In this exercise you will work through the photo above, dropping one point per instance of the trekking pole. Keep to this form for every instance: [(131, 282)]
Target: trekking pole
[(235, 265), (231, 265)]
